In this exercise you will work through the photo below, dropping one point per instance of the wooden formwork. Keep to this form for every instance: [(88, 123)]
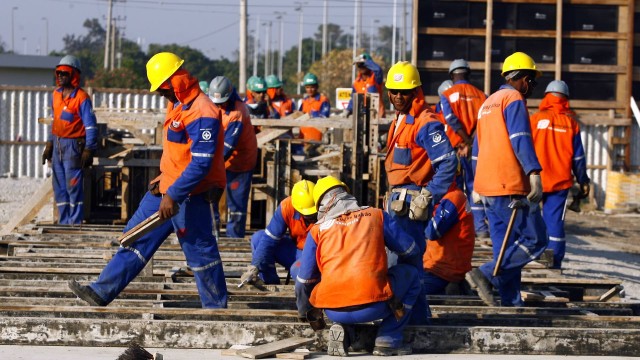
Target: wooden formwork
[(161, 308)]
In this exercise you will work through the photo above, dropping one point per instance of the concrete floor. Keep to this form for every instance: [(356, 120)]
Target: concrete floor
[(14, 352)]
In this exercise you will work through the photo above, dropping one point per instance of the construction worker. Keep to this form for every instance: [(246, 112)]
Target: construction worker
[(507, 179), (71, 142), (204, 86), (296, 213), (240, 152), (556, 137), (460, 105), (280, 104), (368, 80), (420, 161), (191, 165), (257, 100), (314, 104), (343, 270), (450, 239)]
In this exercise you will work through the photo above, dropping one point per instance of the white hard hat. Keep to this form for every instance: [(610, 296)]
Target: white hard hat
[(220, 89), (70, 60), (458, 64), (558, 86), (444, 86)]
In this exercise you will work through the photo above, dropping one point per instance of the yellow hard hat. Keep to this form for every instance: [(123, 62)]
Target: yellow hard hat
[(403, 76), (160, 67), (519, 61), (302, 197), (323, 185)]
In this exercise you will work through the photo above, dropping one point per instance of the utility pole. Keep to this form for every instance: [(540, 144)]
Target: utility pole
[(373, 21), (299, 8), (46, 36), (280, 16), (112, 53), (256, 47), (13, 48), (267, 48), (107, 36), (325, 14), (393, 33), (403, 45), (355, 38), (242, 78)]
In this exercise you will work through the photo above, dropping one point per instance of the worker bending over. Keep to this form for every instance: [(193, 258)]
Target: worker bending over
[(368, 80), (343, 270), (192, 164), (556, 137)]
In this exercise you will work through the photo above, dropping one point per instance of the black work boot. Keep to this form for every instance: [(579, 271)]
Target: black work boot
[(338, 341), (86, 293), (481, 284)]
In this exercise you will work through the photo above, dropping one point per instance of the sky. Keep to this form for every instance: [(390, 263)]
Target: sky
[(211, 26)]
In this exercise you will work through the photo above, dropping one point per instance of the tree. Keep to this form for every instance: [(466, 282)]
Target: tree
[(89, 49), (334, 32)]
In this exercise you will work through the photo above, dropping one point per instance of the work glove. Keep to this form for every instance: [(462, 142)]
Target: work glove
[(419, 206), (476, 198), (584, 190), (536, 188), (47, 154), (86, 159), (250, 276)]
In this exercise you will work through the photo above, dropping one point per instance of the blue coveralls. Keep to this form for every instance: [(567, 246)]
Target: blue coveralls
[(403, 278), (443, 161), (529, 236), (68, 175)]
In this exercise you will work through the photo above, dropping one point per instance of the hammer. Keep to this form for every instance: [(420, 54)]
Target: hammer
[(514, 205)]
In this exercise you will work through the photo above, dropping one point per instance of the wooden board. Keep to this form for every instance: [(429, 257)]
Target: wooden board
[(42, 196), (266, 350)]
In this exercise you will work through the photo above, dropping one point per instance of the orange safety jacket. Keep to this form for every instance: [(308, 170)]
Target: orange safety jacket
[(503, 148), (363, 84), (315, 106), (73, 116), (192, 149), (451, 236), (352, 260), (281, 104), (241, 150), (294, 221), (555, 133), (461, 104)]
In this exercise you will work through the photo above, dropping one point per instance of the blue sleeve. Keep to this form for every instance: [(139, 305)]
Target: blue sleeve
[(273, 113), (267, 246), (325, 110), (350, 105), (308, 277), (202, 152), (474, 155), (90, 124), (519, 128), (377, 70), (432, 138), (231, 137), (445, 217), (398, 241), (449, 116), (579, 160)]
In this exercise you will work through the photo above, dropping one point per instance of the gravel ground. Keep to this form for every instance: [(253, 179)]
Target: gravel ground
[(598, 245)]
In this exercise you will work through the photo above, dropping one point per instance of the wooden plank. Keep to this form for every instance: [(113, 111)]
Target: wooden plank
[(298, 355), (335, 122), (611, 293), (269, 134), (266, 350), (31, 208)]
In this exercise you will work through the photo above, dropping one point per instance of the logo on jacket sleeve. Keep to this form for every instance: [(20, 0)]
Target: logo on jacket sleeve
[(206, 135), (437, 138), (175, 124)]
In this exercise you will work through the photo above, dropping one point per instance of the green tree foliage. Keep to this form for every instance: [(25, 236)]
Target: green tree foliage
[(89, 48)]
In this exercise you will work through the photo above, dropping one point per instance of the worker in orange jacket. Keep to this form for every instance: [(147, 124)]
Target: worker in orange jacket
[(257, 100), (191, 166), (507, 169), (420, 162), (368, 80), (296, 213), (315, 104), (343, 270), (460, 105), (71, 142), (556, 137), (240, 152), (450, 239), (280, 104)]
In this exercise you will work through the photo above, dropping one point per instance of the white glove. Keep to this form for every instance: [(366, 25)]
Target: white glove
[(476, 198), (250, 276), (536, 188)]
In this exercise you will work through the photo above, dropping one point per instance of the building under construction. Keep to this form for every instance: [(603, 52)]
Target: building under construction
[(587, 43)]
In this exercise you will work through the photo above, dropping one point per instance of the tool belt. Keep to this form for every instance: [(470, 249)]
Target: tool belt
[(399, 205)]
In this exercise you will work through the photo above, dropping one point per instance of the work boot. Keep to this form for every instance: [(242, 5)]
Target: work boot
[(338, 341), (391, 351), (86, 293), (479, 282)]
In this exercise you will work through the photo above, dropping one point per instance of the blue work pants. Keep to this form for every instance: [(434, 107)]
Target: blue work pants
[(433, 284), (283, 252), (68, 180), (527, 241), (553, 211), (405, 284), (193, 227), (238, 189)]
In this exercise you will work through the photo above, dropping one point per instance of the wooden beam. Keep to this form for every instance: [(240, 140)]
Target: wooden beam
[(266, 350), (42, 196), (335, 122), (558, 53)]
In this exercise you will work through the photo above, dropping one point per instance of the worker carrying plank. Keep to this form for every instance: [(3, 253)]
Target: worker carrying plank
[(296, 213), (420, 162), (191, 166), (507, 170), (71, 141), (343, 270), (556, 137), (240, 153), (460, 105)]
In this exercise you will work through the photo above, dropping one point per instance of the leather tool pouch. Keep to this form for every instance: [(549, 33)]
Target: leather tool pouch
[(399, 206), (419, 207)]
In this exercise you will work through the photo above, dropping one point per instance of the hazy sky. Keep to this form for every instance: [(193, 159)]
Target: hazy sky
[(212, 26)]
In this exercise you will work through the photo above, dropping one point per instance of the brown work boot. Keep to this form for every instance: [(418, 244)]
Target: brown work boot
[(481, 284), (86, 293)]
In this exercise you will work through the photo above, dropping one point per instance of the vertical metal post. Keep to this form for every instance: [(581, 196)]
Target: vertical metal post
[(107, 36), (487, 47), (242, 78), (393, 32)]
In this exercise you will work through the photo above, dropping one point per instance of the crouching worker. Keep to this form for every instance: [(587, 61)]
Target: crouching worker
[(273, 245), (343, 271), (450, 238)]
